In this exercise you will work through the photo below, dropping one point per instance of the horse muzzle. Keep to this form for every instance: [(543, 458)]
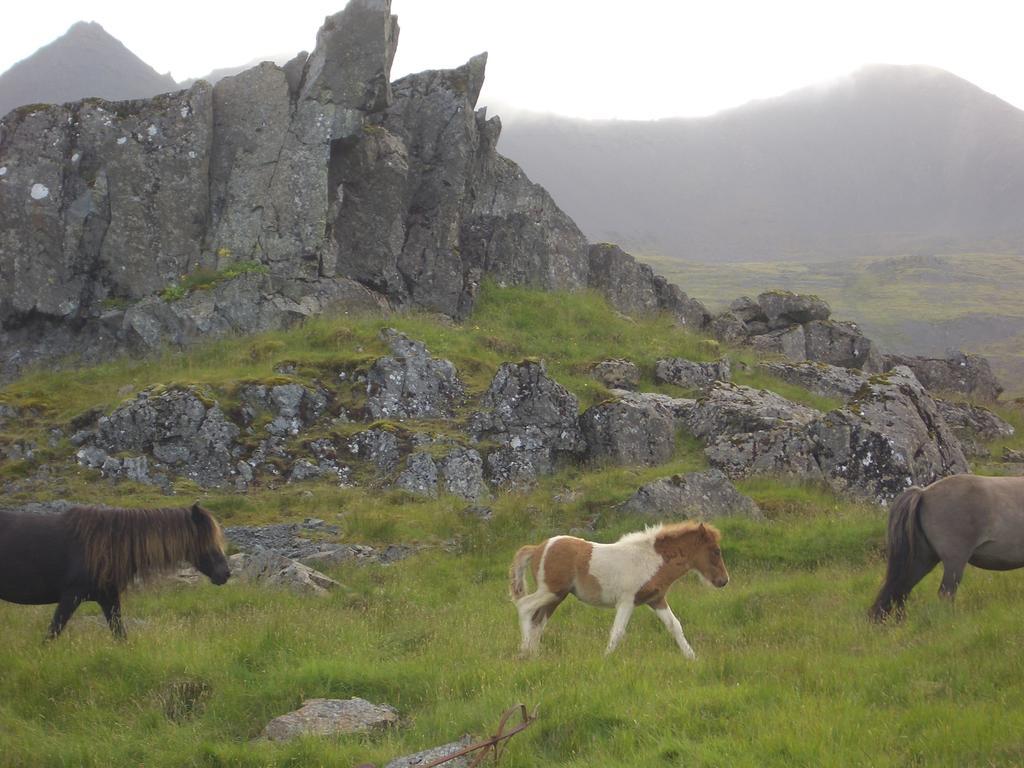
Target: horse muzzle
[(721, 582)]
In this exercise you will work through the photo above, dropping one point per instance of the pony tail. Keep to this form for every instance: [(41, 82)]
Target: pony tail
[(517, 572), (901, 542)]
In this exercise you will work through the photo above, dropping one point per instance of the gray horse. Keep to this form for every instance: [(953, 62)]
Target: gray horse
[(959, 520)]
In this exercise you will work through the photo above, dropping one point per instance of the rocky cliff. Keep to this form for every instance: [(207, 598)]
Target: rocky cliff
[(283, 192)]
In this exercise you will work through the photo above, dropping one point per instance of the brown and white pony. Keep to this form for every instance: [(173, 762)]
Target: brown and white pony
[(638, 569)]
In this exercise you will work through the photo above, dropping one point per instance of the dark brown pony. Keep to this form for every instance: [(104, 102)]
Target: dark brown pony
[(90, 553), (957, 520)]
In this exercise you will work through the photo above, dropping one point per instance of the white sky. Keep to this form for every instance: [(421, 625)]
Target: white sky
[(586, 58)]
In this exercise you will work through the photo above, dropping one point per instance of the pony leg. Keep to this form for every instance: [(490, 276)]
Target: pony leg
[(68, 604), (663, 612), (111, 605), (540, 617), (534, 610), (622, 613), (892, 598), (952, 573)]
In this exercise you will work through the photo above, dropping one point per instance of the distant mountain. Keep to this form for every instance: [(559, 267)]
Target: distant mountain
[(84, 61), (890, 160)]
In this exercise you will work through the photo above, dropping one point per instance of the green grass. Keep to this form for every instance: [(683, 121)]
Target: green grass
[(790, 673), (789, 670)]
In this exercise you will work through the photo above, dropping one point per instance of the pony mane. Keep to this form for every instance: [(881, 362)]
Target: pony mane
[(647, 535), (122, 544), (676, 530)]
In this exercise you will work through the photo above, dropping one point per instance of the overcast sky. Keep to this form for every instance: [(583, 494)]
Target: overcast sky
[(586, 58)]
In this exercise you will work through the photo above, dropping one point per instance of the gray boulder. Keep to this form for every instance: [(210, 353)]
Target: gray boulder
[(889, 437), (271, 569), (748, 431), (790, 342), (843, 344), (820, 378), (331, 717), (781, 309), (956, 373), (532, 418), (294, 406), (410, 384), (182, 432), (419, 475), (973, 425), (728, 409), (698, 495), (678, 409), (378, 446), (628, 432), (690, 375), (797, 327), (617, 374), (461, 472), (728, 327)]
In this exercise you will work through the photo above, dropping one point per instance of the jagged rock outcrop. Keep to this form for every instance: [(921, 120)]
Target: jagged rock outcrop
[(294, 406), (419, 475), (749, 430), (316, 186), (378, 446), (690, 375), (797, 327), (410, 384), (532, 418), (973, 425), (698, 495), (889, 436), (462, 473), (634, 289), (178, 430), (956, 373)]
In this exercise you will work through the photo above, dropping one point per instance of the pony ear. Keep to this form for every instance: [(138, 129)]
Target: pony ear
[(198, 515), (704, 531)]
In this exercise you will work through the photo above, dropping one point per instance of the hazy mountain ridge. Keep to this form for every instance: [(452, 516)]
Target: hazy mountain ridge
[(85, 61), (887, 161)]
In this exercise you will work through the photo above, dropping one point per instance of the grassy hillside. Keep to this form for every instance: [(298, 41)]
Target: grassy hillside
[(789, 672), (915, 304)]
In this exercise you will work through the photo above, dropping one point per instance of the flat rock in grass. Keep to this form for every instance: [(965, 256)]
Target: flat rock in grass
[(428, 756), (272, 569), (698, 495), (331, 717)]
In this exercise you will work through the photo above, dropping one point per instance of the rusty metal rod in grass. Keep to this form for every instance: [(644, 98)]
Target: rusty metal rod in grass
[(493, 745)]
